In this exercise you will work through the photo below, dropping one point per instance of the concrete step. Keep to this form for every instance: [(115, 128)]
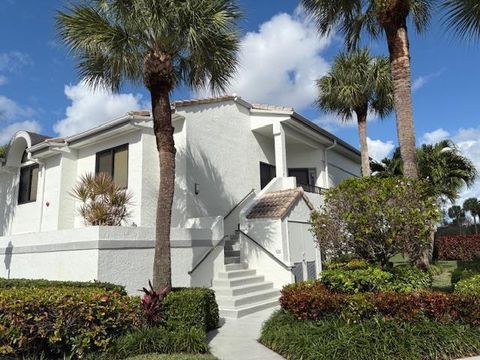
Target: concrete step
[(234, 247), (236, 273), (232, 260), (248, 280), (247, 299), (234, 253), (235, 313), (242, 290), (239, 266)]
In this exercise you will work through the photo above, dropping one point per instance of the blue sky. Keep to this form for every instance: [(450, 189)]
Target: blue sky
[(40, 90)]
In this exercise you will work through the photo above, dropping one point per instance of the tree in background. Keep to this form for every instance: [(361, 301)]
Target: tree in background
[(163, 44), (390, 18), (472, 205), (442, 165), (358, 84), (457, 214), (3, 150)]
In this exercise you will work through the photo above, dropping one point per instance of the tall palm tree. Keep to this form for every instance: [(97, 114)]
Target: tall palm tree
[(441, 164), (358, 83), (472, 205), (162, 44), (355, 17)]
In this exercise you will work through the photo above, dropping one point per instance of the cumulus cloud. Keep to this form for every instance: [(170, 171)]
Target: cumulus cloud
[(7, 132), (378, 149), (90, 108), (331, 122), (13, 61), (280, 62), (434, 136)]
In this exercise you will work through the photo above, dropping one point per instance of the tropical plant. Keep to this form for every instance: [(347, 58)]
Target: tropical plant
[(163, 44), (355, 18), (3, 150), (358, 84), (374, 219), (103, 202), (442, 165), (457, 214), (472, 205)]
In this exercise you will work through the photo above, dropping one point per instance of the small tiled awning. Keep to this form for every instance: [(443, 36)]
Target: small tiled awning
[(276, 205)]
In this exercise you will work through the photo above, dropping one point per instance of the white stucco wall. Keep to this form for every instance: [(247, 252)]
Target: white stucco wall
[(7, 200)]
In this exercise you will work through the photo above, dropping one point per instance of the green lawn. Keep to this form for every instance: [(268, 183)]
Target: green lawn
[(172, 357)]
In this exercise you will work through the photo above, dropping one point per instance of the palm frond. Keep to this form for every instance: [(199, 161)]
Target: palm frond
[(463, 16)]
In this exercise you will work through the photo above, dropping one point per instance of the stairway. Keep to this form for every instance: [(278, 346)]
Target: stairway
[(239, 290)]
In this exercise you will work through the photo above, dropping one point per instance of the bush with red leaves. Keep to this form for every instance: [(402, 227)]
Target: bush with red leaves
[(465, 247), (152, 304), (313, 301)]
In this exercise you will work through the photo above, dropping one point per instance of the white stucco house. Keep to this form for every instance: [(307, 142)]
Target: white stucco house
[(247, 177)]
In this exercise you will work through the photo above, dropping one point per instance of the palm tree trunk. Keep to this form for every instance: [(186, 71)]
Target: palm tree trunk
[(475, 222), (362, 134), (158, 75), (398, 47)]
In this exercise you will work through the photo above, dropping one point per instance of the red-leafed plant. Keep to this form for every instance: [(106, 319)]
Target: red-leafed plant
[(458, 247), (152, 304)]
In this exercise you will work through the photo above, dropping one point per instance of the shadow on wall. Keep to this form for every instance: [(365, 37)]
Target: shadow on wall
[(8, 258), (7, 201)]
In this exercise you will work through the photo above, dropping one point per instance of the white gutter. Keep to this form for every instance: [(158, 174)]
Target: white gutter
[(327, 178), (42, 194)]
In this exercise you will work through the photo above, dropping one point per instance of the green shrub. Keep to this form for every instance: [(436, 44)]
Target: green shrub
[(368, 340), (173, 357), (158, 340), (376, 218), (63, 320), (189, 307), (42, 283), (469, 286), (359, 276), (408, 279), (313, 301), (465, 270)]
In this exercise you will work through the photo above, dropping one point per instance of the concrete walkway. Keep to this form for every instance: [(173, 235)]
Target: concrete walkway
[(237, 339)]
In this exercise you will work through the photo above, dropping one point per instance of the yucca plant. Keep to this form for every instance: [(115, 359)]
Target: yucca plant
[(103, 202)]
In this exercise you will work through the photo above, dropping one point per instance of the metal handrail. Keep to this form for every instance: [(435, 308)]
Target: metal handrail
[(238, 204), (312, 189), (280, 262), (206, 255), (209, 251)]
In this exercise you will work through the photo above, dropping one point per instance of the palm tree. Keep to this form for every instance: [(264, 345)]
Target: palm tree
[(463, 16), (162, 44), (472, 205), (358, 83), (457, 214), (441, 164)]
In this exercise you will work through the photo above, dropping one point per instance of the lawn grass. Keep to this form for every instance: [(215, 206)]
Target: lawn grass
[(172, 357)]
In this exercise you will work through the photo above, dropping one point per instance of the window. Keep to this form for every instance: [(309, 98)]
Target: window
[(27, 191), (114, 162)]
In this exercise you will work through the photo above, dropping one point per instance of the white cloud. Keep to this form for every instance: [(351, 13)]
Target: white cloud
[(90, 108), (280, 62), (13, 61), (378, 149), (331, 122), (421, 81), (11, 111), (28, 125), (434, 136)]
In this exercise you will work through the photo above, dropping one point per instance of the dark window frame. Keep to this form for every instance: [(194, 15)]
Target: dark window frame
[(112, 152), (272, 173), (30, 169)]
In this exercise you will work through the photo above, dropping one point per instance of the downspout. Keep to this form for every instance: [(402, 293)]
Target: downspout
[(334, 144), (42, 194)]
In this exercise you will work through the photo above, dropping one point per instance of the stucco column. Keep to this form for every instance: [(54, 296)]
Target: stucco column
[(280, 149)]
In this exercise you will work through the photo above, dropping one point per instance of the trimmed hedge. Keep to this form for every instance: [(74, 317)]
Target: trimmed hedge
[(458, 247), (42, 283), (314, 301), (189, 307), (64, 320), (368, 340), (359, 276)]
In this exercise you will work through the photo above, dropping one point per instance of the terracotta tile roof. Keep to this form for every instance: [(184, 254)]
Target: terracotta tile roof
[(36, 138), (277, 204), (140, 113), (272, 107)]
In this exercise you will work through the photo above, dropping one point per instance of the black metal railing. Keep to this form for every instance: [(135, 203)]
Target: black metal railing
[(312, 189)]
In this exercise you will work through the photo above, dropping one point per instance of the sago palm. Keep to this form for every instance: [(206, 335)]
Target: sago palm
[(162, 44), (358, 84)]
